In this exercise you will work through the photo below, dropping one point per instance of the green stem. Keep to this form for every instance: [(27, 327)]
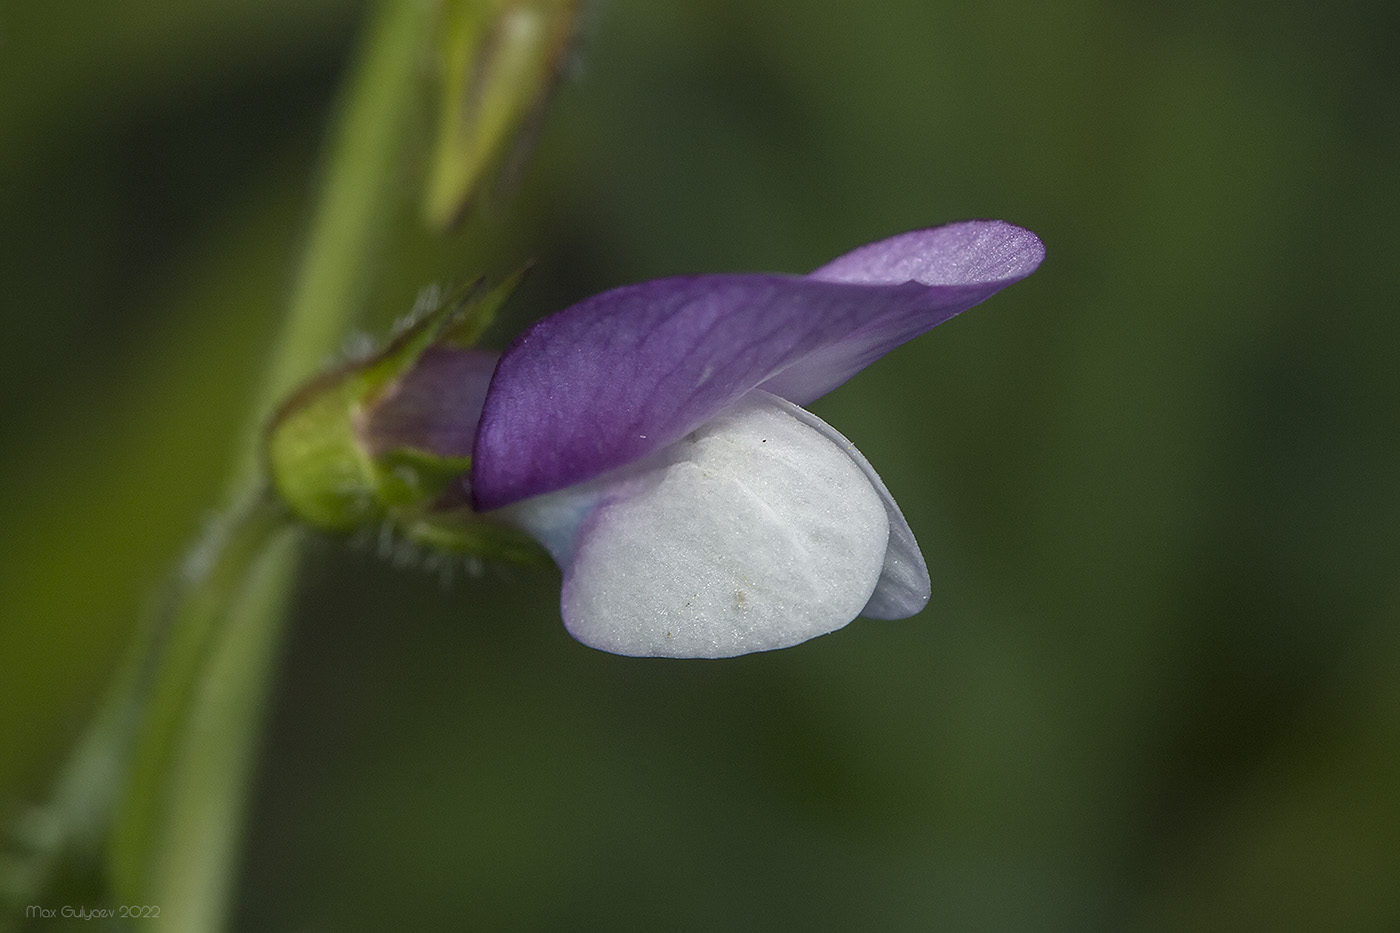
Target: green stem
[(358, 191), (193, 870), (212, 615), (176, 836), (162, 772)]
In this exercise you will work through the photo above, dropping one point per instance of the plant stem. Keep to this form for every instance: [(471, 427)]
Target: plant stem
[(176, 837), (357, 194), (175, 833)]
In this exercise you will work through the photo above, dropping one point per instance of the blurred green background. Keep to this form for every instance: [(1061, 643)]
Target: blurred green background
[(1158, 686)]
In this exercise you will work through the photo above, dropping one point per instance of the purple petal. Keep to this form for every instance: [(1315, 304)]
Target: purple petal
[(434, 406), (966, 253), (624, 373)]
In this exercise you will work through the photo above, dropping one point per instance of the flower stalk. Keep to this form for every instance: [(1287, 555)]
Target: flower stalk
[(176, 836), (207, 676), (150, 808)]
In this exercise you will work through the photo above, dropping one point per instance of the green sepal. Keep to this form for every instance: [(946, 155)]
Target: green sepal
[(320, 464), (327, 471), (463, 531), (464, 311), (408, 478), (314, 454), (475, 310)]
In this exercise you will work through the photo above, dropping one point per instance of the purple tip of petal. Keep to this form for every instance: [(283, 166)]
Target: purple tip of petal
[(627, 372), (973, 252)]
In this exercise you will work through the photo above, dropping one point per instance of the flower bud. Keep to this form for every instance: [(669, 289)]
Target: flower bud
[(498, 61)]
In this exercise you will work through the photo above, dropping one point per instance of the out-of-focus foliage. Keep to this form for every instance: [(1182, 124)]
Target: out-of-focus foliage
[(1156, 484), (498, 62)]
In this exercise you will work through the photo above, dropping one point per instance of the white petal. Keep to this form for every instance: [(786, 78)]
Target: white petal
[(904, 585), (757, 531)]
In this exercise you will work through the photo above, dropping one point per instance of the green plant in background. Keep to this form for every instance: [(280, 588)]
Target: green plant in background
[(1157, 485), (650, 438), (150, 808)]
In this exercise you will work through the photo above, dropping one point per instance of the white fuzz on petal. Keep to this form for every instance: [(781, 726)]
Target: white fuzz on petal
[(757, 531)]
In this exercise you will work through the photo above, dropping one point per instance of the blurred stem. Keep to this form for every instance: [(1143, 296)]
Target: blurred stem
[(209, 660), (200, 687), (356, 197)]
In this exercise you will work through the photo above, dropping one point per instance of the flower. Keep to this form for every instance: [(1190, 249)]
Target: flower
[(651, 438)]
